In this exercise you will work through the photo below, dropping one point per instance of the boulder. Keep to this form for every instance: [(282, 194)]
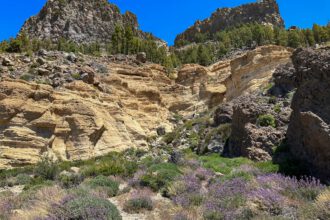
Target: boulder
[(43, 71), (41, 61), (87, 75), (250, 138), (42, 52), (7, 62), (141, 57), (71, 57)]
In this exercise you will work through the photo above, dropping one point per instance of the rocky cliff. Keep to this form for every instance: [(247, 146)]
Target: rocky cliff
[(264, 12), (309, 130), (97, 105), (82, 21)]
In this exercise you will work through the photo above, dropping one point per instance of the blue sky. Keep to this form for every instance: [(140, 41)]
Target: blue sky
[(167, 18)]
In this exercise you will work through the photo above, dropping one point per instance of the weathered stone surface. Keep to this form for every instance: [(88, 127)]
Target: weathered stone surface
[(141, 57), (264, 12), (79, 20), (284, 80), (117, 108), (228, 79), (248, 138), (7, 62), (309, 130)]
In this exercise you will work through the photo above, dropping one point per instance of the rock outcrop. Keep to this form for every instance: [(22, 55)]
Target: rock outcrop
[(82, 21), (251, 137), (263, 12), (89, 106), (309, 131)]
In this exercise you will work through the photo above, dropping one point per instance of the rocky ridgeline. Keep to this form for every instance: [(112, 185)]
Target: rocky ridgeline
[(73, 106), (264, 12), (82, 21)]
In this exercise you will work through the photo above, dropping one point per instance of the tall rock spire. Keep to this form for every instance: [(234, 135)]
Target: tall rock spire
[(82, 21)]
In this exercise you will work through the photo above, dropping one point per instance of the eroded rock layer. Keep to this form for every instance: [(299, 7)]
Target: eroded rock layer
[(97, 105)]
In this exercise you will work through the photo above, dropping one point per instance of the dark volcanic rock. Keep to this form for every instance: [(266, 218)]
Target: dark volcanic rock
[(248, 137), (82, 21), (264, 12), (284, 79), (223, 114), (309, 130)]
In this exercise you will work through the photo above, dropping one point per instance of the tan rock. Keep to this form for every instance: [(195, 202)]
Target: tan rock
[(80, 120)]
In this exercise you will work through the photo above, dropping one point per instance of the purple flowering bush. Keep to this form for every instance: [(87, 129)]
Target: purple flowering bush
[(188, 190), (269, 200), (82, 205), (6, 204), (226, 199), (139, 201)]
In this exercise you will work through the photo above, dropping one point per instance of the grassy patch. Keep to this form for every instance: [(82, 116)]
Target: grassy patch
[(160, 175), (103, 183), (136, 205), (222, 164)]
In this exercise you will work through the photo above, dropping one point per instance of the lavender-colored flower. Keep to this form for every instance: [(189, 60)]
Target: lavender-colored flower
[(229, 188), (191, 183), (181, 216), (269, 200), (224, 199), (135, 180)]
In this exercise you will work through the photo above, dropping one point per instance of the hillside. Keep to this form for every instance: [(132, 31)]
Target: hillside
[(264, 12)]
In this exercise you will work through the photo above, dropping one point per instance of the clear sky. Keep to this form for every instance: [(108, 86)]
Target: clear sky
[(167, 18)]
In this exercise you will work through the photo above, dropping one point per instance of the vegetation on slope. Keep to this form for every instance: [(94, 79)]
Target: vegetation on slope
[(208, 49), (207, 187)]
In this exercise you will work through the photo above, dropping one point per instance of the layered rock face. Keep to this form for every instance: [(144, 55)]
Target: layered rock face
[(82, 21), (264, 12), (97, 105), (309, 130)]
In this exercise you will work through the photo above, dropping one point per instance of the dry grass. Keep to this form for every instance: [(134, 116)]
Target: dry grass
[(40, 205)]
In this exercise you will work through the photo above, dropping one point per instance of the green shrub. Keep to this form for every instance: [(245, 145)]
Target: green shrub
[(37, 183), (110, 186), (46, 169), (76, 76), (27, 77), (160, 175), (170, 137), (277, 108), (266, 120), (23, 179), (70, 180), (136, 205), (85, 207), (112, 164)]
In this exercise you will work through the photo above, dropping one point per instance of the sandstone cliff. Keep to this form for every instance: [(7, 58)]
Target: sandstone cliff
[(110, 104), (82, 21), (264, 12)]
